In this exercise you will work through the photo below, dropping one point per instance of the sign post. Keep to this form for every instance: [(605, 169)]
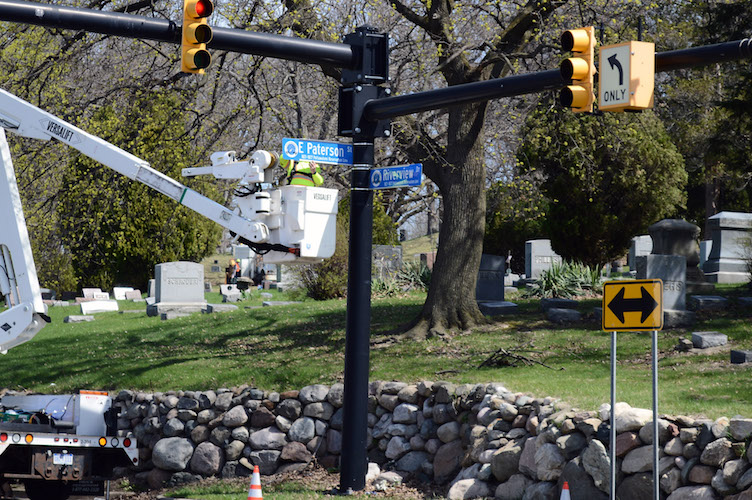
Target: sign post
[(635, 305)]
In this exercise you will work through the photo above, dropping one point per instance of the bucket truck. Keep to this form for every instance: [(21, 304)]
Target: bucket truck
[(56, 444)]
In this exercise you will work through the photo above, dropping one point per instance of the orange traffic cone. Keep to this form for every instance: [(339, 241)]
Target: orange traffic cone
[(564, 492), (255, 491)]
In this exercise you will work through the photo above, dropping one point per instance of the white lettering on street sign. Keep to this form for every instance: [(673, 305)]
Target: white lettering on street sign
[(396, 177), (321, 151)]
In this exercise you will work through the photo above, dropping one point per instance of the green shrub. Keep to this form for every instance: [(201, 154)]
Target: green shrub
[(414, 275), (566, 280)]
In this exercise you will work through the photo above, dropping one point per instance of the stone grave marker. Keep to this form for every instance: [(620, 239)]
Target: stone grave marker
[(179, 287), (641, 245), (489, 289), (672, 270), (387, 260), (151, 288), (100, 296), (119, 292), (98, 306), (89, 292), (539, 257), (731, 249)]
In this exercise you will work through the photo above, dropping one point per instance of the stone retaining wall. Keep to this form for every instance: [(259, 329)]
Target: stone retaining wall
[(479, 440)]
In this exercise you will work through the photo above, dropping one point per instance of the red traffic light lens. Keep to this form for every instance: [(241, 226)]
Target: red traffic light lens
[(204, 8)]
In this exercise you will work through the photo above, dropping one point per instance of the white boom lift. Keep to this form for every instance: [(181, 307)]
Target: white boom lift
[(288, 224), (61, 453)]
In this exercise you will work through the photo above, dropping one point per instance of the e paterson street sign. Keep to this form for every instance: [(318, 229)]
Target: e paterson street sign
[(396, 177), (334, 153), (634, 305)]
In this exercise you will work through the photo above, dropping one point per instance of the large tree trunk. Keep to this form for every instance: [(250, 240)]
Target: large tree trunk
[(451, 304)]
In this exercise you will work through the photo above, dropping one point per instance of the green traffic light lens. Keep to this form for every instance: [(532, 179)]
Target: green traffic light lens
[(201, 59)]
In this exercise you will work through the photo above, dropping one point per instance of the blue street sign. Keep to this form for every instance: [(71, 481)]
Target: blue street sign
[(320, 151), (396, 177)]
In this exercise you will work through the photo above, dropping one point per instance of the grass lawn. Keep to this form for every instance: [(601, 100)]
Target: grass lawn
[(289, 347)]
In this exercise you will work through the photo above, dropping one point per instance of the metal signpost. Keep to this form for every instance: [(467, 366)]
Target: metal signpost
[(396, 177), (635, 305)]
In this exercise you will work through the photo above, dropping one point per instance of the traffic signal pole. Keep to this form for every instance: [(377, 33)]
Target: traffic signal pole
[(364, 113)]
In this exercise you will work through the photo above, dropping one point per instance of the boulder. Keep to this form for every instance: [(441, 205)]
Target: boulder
[(172, 454), (447, 460), (207, 459), (505, 462), (693, 493), (468, 488)]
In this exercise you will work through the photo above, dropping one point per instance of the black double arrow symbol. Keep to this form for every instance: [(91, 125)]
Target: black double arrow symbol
[(645, 305)]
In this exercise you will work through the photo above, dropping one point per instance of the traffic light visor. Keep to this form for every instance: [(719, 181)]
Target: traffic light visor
[(575, 40), (575, 68), (198, 33), (198, 58), (199, 8), (574, 96)]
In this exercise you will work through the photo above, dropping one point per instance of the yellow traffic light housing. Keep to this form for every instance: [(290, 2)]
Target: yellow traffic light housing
[(580, 69), (196, 34)]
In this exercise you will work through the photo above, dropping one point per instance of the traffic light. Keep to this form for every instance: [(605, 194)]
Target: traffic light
[(196, 34), (579, 69)]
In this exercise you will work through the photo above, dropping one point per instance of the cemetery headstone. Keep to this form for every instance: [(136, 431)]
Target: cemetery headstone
[(48, 294), (133, 295), (539, 257), (120, 291), (641, 245), (428, 259), (179, 287), (98, 306), (89, 292), (387, 260), (489, 290), (100, 296), (151, 288), (705, 247), (679, 237), (731, 234), (672, 270)]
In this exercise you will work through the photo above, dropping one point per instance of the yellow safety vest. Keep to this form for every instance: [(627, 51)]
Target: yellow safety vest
[(303, 173)]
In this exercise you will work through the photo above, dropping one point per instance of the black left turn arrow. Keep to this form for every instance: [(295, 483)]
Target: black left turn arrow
[(646, 304), (613, 61)]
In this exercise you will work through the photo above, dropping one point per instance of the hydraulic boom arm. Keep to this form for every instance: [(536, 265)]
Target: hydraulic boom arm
[(293, 224)]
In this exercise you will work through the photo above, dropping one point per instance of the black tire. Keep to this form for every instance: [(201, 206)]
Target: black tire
[(47, 490)]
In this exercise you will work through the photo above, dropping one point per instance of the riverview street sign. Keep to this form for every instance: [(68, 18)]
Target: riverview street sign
[(396, 177)]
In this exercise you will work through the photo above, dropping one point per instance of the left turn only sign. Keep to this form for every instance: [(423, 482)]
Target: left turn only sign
[(633, 305)]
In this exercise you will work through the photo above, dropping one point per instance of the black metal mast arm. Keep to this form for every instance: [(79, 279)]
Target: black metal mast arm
[(163, 30), (700, 56)]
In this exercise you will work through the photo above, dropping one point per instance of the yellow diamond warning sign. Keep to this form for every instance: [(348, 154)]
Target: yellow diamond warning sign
[(633, 305)]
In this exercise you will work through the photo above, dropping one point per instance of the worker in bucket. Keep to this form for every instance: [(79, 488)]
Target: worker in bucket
[(302, 173)]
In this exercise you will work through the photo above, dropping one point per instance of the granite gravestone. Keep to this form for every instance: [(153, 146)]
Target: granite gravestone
[(120, 291), (732, 247), (179, 287), (489, 290), (641, 245), (387, 260), (539, 256), (679, 237)]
